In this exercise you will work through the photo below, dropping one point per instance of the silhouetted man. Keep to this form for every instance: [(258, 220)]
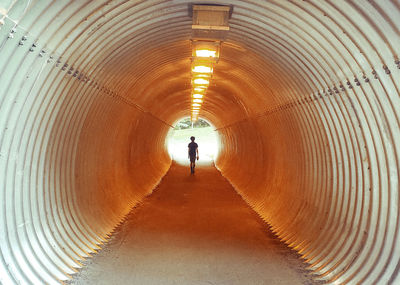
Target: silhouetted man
[(193, 151)]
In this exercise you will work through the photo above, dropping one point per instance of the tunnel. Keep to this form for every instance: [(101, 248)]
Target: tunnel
[(305, 101)]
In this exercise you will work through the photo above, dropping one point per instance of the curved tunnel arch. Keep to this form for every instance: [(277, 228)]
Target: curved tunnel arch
[(306, 96)]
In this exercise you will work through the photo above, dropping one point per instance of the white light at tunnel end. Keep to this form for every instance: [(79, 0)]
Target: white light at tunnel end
[(207, 138)]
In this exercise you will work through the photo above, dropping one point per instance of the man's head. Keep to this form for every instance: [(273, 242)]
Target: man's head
[(192, 138)]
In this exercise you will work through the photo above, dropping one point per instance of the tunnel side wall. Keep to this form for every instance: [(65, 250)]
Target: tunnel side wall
[(324, 177), (74, 158), (322, 167)]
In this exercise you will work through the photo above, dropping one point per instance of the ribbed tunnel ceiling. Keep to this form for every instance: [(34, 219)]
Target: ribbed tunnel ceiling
[(305, 99)]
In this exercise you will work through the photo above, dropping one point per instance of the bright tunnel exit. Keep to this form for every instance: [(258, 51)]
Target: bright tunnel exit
[(206, 137)]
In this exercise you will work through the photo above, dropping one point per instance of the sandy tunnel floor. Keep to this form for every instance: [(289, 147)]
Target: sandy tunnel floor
[(194, 230)]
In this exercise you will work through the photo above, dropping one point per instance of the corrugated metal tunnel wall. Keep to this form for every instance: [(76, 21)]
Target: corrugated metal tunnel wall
[(305, 98)]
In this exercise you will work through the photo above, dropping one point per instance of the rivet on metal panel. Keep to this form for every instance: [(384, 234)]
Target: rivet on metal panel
[(357, 82), (349, 85), (396, 61), (11, 34), (21, 43), (375, 74), (365, 78), (42, 52), (64, 66), (387, 71), (70, 70), (342, 87)]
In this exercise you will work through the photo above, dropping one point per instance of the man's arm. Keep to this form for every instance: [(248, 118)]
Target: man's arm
[(197, 151)]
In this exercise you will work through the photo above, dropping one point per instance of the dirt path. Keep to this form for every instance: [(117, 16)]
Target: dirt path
[(194, 230)]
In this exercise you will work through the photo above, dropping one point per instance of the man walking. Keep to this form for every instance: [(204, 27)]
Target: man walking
[(193, 151)]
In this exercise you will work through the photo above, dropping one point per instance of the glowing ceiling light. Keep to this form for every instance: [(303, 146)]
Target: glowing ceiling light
[(199, 89), (201, 81), (203, 75), (202, 69), (206, 53), (206, 49)]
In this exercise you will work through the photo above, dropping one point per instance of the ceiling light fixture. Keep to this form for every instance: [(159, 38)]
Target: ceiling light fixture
[(209, 28), (202, 69), (201, 81)]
